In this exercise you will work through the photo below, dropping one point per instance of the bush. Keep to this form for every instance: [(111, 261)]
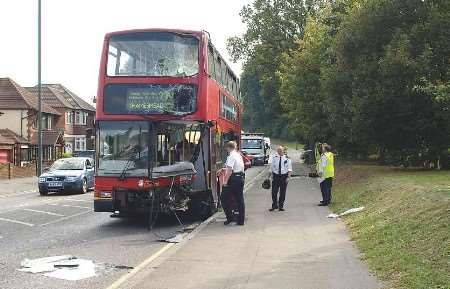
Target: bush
[(66, 155)]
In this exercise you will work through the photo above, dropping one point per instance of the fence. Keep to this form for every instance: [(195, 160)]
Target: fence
[(10, 171)]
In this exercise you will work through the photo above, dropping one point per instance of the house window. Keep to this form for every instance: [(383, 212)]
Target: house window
[(80, 144), (85, 116), (69, 117), (46, 121), (81, 117)]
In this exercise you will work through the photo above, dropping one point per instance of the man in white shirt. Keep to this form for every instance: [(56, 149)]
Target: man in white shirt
[(233, 184), (281, 169)]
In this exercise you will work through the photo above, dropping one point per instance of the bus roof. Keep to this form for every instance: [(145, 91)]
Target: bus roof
[(181, 31)]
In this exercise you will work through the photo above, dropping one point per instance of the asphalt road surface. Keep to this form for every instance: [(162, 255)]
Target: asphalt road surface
[(34, 226)]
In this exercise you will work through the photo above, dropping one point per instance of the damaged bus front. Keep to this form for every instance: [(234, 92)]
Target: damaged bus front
[(147, 164)]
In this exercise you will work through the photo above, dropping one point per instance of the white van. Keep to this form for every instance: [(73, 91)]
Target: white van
[(254, 145)]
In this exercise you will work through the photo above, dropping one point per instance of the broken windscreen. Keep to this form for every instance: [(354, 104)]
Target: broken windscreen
[(153, 54), (174, 99)]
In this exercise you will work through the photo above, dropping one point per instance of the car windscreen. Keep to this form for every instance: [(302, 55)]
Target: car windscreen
[(252, 144), (153, 54), (68, 164)]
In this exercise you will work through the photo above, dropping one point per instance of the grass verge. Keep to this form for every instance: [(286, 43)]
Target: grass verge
[(404, 232)]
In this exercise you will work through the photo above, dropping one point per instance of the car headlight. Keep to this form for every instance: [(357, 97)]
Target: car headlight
[(72, 179), (42, 180)]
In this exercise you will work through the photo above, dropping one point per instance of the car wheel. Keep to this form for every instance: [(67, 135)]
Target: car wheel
[(43, 193), (84, 187)]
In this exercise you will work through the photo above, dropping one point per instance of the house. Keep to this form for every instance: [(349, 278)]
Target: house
[(19, 113), (13, 148), (79, 116)]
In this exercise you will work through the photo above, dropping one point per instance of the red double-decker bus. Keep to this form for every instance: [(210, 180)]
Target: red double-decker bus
[(167, 103)]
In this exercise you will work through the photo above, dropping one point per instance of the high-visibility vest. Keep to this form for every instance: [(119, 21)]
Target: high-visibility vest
[(328, 171)]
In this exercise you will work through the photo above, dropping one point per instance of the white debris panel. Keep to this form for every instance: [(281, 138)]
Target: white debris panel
[(350, 211), (65, 267)]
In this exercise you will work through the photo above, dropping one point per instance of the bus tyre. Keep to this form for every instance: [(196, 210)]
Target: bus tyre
[(43, 193)]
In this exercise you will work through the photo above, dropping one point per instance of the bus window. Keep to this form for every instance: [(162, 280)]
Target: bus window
[(176, 143), (224, 74), (153, 54), (211, 64)]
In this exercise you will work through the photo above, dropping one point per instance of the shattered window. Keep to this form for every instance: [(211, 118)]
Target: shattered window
[(175, 99), (153, 54)]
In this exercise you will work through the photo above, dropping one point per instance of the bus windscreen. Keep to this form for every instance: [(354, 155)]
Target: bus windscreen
[(178, 99), (153, 54)]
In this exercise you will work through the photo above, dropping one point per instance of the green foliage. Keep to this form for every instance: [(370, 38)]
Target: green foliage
[(371, 77), (66, 155), (272, 29)]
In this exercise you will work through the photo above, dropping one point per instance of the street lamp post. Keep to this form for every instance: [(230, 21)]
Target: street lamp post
[(39, 118)]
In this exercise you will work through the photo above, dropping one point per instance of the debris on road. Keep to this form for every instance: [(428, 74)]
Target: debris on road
[(350, 211), (175, 239), (189, 228), (65, 267)]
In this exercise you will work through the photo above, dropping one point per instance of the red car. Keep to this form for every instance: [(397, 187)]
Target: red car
[(247, 160)]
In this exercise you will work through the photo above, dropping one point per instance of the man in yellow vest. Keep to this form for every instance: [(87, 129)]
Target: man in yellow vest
[(326, 174)]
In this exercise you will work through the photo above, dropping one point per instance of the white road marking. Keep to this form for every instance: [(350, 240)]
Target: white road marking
[(80, 207), (66, 218), (141, 266), (189, 236), (20, 193), (17, 222), (78, 200), (43, 212)]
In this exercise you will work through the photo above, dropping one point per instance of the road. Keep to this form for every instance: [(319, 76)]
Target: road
[(33, 226)]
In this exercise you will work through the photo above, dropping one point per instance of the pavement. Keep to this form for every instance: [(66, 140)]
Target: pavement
[(297, 249), (16, 186)]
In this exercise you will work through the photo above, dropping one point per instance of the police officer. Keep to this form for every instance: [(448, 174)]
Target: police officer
[(281, 168), (233, 184), (326, 174)]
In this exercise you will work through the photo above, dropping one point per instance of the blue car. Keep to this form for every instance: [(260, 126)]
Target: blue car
[(68, 175)]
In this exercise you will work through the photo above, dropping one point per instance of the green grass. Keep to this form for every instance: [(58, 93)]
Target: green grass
[(286, 143), (404, 232)]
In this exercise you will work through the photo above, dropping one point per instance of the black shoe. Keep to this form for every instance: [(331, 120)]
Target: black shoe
[(322, 204), (227, 222), (281, 209), (272, 209)]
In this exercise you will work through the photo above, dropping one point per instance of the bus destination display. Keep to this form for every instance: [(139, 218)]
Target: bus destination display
[(150, 100)]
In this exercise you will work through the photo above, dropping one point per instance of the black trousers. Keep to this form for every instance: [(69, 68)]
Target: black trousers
[(232, 197), (325, 188), (279, 184)]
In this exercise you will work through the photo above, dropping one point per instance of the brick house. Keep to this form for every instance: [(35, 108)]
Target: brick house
[(18, 114), (79, 116)]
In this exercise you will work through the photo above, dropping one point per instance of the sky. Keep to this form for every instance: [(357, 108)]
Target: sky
[(73, 32)]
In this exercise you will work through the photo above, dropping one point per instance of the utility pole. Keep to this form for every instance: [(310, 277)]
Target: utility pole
[(39, 120)]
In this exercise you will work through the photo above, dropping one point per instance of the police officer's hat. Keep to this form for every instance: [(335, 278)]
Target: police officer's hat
[(266, 184)]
